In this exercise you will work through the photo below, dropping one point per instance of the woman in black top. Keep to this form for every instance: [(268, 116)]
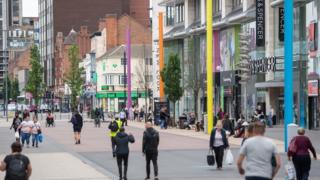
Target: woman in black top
[(77, 123)]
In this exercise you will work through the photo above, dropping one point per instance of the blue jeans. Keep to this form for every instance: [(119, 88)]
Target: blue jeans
[(35, 139), (25, 137)]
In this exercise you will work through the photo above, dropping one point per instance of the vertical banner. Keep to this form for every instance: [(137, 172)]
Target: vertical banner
[(281, 24), (161, 63), (210, 89), (260, 23), (129, 68), (288, 64)]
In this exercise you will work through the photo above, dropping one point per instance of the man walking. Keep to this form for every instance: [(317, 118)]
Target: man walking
[(114, 127), (16, 165), (122, 140), (77, 122), (150, 145), (258, 151), (123, 117)]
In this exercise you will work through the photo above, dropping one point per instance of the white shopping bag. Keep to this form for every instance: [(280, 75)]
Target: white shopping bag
[(229, 157), (290, 171), (17, 135)]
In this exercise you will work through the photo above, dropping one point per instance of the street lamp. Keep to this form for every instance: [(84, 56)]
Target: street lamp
[(124, 63)]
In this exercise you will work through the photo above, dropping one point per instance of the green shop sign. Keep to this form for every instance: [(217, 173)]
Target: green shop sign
[(105, 88)]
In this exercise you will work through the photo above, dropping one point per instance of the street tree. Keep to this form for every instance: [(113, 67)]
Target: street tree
[(171, 76), (15, 89), (73, 77), (193, 78), (35, 81)]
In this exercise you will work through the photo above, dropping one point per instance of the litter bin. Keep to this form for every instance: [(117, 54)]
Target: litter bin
[(182, 119)]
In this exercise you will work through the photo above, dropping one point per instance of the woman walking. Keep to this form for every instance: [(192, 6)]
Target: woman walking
[(25, 128), (36, 130), (298, 152), (219, 142)]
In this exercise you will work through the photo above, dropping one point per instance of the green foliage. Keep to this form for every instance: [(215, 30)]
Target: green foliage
[(73, 77), (35, 81), (15, 89), (171, 76)]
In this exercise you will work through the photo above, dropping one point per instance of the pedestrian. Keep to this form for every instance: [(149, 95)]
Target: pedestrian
[(97, 122), (114, 127), (50, 119), (227, 125), (122, 140), (258, 152), (219, 142), (16, 122), (149, 115), (135, 113), (150, 145), (36, 131), (16, 165), (141, 114), (220, 114), (298, 152), (248, 133), (25, 127), (123, 117), (163, 117), (77, 123)]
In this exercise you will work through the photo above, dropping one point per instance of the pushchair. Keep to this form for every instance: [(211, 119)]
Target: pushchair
[(50, 121)]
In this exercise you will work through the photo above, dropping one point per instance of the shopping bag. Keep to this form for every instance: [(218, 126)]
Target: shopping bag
[(229, 157), (17, 135), (210, 158), (290, 171), (40, 137)]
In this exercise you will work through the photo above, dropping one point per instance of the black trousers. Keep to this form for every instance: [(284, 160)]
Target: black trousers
[(302, 164), (113, 145), (122, 158), (152, 156), (219, 151)]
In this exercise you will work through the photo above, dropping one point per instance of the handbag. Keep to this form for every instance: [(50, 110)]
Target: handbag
[(293, 146), (210, 158), (17, 135)]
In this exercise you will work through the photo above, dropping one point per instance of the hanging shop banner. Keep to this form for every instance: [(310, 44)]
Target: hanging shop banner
[(313, 87), (281, 24), (263, 65), (260, 23), (312, 39)]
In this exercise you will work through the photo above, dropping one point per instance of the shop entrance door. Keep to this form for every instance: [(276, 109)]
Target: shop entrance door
[(313, 119)]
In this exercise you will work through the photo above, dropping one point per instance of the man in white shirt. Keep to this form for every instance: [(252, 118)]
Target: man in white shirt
[(259, 152)]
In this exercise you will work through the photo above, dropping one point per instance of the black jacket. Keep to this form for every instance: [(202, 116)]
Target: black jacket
[(163, 115), (228, 126), (224, 138), (150, 140), (77, 121), (122, 140)]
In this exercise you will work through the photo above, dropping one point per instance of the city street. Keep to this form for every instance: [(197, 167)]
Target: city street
[(180, 157)]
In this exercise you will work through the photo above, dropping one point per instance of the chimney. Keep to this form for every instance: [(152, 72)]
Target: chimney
[(111, 21), (101, 24)]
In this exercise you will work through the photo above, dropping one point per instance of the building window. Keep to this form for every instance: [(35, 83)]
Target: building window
[(148, 61), (109, 79), (236, 4), (197, 9), (123, 61), (122, 79), (169, 16), (217, 6), (180, 13), (148, 78)]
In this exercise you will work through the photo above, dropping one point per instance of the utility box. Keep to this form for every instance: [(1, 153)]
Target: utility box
[(292, 132)]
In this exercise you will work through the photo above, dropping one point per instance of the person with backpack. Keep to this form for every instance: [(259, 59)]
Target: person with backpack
[(114, 127), (122, 141), (150, 145), (298, 152), (16, 165), (77, 123)]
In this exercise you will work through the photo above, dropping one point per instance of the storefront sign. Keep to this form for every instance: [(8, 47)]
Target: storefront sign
[(313, 87), (263, 65), (227, 78), (281, 24), (105, 88), (260, 23)]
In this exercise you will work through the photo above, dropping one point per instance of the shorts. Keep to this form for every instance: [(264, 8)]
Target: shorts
[(76, 129)]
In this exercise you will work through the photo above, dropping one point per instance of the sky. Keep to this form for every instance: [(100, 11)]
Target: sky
[(30, 8)]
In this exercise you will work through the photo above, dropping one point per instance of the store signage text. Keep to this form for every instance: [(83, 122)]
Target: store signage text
[(263, 65), (260, 23), (281, 24)]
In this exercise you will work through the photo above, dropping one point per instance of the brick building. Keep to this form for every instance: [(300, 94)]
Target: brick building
[(63, 15), (63, 44)]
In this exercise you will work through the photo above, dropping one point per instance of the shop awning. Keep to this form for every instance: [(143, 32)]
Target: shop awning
[(269, 84)]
